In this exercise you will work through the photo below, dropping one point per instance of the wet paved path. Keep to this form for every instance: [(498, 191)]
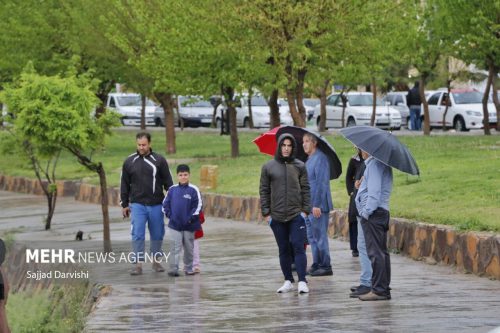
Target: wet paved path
[(240, 273)]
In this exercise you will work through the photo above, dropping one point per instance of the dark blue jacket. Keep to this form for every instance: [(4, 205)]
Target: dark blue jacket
[(182, 207)]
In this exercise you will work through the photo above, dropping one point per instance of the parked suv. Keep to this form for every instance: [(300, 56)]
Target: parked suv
[(358, 111), (397, 100), (465, 109), (129, 107)]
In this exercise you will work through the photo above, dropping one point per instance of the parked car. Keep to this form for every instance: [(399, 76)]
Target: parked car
[(309, 104), (195, 111), (359, 106), (129, 107), (260, 113), (465, 109), (397, 100), (159, 116)]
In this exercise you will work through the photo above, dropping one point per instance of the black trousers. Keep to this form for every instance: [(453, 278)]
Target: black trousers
[(353, 224), (375, 231)]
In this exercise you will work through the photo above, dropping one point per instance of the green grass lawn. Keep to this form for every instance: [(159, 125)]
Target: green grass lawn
[(459, 182)]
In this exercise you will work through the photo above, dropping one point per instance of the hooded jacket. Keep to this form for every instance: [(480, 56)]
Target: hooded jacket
[(284, 188)]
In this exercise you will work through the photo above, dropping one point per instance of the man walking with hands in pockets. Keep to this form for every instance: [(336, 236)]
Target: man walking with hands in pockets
[(285, 202)]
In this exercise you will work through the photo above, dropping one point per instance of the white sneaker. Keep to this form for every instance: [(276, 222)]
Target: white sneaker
[(303, 288), (287, 286)]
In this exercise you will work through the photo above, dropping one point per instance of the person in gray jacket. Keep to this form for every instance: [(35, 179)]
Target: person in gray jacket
[(285, 202)]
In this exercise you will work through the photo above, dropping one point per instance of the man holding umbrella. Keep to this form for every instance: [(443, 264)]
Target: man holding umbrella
[(381, 151), (321, 202), (372, 202)]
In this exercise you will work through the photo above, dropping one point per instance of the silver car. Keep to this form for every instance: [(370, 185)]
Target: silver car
[(397, 100)]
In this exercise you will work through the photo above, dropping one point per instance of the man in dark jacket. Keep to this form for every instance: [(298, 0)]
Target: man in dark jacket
[(285, 202), (413, 101), (145, 177)]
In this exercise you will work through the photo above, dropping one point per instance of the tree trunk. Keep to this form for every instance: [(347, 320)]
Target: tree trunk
[(344, 106), (250, 115), (427, 127), (322, 97), (448, 86), (51, 203), (104, 207), (143, 112), (486, 116), (495, 98), (299, 93), (231, 109), (167, 102), (104, 88), (275, 109), (99, 169), (374, 106)]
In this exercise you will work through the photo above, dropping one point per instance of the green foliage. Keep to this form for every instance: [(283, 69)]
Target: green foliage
[(56, 112), (62, 309)]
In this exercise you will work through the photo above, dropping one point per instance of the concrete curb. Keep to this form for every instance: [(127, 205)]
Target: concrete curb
[(471, 252)]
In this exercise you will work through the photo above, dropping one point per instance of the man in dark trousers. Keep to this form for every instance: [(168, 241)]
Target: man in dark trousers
[(372, 202), (285, 202), (145, 180), (413, 101)]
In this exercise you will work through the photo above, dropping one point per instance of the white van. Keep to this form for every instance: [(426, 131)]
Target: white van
[(129, 107)]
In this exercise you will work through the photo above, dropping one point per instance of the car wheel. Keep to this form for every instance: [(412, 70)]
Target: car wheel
[(318, 120), (351, 122), (122, 120), (396, 128), (459, 124), (158, 122), (246, 123)]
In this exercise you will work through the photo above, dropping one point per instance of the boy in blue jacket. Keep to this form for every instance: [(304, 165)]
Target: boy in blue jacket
[(182, 207)]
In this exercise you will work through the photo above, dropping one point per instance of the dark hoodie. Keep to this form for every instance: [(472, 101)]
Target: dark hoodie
[(284, 188)]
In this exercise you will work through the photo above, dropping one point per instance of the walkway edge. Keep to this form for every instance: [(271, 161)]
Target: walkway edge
[(470, 252)]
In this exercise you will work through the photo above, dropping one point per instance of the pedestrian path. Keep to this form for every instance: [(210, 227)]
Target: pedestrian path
[(236, 291)]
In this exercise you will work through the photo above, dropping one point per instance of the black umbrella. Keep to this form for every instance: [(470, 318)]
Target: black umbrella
[(323, 145), (383, 146)]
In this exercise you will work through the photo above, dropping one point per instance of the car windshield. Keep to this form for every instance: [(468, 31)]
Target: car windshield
[(311, 101), (362, 100), (259, 101), (469, 97), (134, 100), (193, 102)]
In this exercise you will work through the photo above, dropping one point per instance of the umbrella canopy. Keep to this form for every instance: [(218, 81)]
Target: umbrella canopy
[(267, 142), (323, 145), (383, 146)]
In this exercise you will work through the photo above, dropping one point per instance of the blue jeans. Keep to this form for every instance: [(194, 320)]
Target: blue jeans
[(153, 216), (365, 278), (291, 234), (317, 235), (415, 118)]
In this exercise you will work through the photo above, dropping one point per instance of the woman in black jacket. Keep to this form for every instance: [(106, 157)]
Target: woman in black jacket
[(354, 173)]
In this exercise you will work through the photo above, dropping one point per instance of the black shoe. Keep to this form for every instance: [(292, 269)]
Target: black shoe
[(173, 274), (354, 288), (322, 272), (362, 290), (311, 269), (355, 253)]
